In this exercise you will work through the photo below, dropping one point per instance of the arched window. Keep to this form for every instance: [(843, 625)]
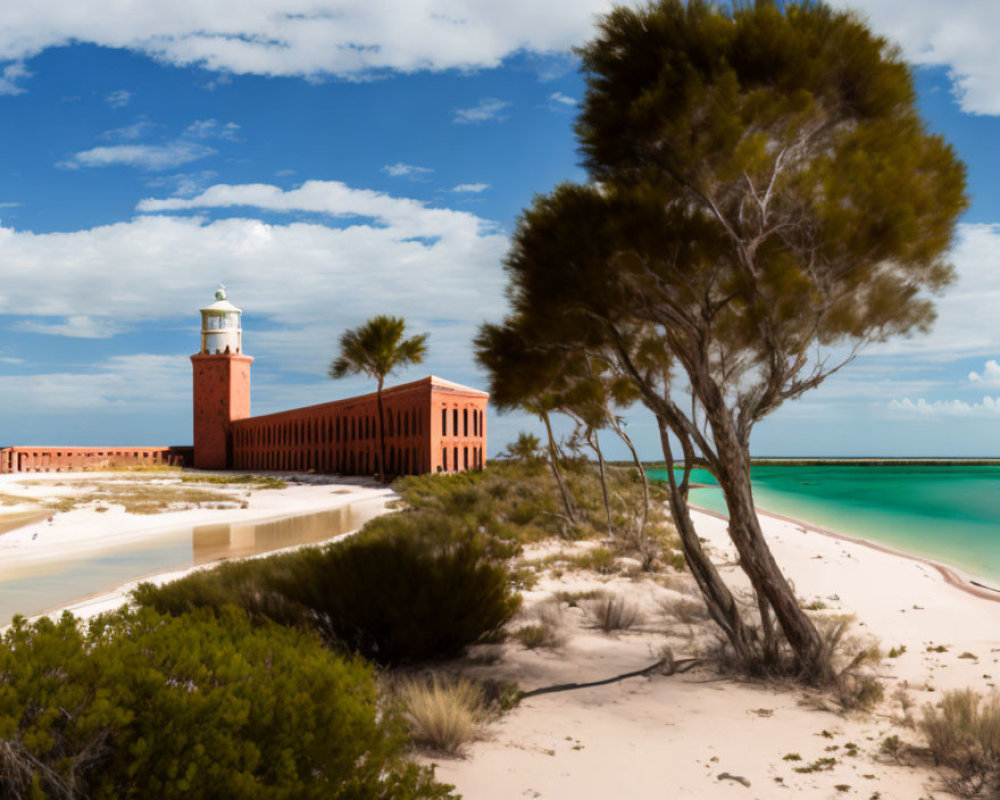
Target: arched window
[(444, 423), (465, 457), (406, 424), (465, 422), (444, 458), (455, 453), (454, 426), (388, 424)]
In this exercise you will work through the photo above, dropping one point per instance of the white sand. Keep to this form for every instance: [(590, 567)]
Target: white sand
[(86, 530), (673, 736)]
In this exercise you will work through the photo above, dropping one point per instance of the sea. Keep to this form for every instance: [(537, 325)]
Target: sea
[(948, 513)]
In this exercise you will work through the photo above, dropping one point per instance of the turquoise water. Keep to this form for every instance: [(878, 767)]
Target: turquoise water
[(948, 513)]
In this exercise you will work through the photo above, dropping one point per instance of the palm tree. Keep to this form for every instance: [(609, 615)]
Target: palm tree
[(375, 349)]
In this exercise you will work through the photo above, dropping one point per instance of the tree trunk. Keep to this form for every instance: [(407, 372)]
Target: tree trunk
[(596, 445), (384, 474), (554, 463), (618, 429), (756, 559), (721, 604)]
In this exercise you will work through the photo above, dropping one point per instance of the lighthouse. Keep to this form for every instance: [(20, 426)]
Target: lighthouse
[(221, 383)]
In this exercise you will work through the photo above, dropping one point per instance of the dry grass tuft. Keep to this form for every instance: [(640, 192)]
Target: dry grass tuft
[(851, 656), (538, 636), (614, 614), (687, 609), (544, 627), (443, 714), (963, 734)]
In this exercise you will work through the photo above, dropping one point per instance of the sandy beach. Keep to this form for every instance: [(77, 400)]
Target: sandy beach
[(700, 735), (691, 735)]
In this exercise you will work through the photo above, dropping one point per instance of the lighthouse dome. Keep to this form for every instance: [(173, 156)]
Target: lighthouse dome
[(221, 326)]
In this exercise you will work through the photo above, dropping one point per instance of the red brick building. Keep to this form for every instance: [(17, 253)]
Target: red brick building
[(67, 459), (431, 425)]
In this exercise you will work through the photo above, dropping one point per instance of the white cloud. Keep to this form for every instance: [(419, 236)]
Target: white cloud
[(401, 170), (153, 157), (959, 35), (990, 374), (130, 382), (76, 327), (473, 188), (9, 77), (137, 130), (10, 205), (989, 407), (562, 99), (293, 37), (485, 110), (407, 217), (184, 184), (438, 267), (118, 98), (213, 129)]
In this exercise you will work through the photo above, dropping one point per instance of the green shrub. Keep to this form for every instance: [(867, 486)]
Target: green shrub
[(201, 706), (410, 586)]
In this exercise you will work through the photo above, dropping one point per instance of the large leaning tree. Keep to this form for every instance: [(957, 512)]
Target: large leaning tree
[(764, 201)]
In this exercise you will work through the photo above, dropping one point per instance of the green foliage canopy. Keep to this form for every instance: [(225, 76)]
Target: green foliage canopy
[(763, 185), (376, 348)]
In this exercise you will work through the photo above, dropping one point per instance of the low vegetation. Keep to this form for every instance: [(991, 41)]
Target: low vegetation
[(443, 713), (610, 614), (519, 500), (963, 735), (409, 587), (254, 481), (208, 706)]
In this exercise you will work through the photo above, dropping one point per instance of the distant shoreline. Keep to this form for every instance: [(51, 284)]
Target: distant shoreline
[(952, 576), (843, 462)]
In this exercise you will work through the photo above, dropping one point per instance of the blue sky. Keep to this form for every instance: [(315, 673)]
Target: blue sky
[(333, 160)]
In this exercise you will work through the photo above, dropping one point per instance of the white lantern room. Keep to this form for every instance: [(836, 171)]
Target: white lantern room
[(221, 330)]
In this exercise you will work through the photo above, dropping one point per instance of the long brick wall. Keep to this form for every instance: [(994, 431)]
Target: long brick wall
[(66, 459), (431, 425)]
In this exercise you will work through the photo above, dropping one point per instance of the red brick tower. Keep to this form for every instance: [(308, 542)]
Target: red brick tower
[(221, 383)]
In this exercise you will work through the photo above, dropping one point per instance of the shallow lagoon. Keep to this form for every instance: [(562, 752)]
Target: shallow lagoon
[(38, 586)]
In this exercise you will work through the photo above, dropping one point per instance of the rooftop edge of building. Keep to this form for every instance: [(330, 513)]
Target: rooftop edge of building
[(432, 381)]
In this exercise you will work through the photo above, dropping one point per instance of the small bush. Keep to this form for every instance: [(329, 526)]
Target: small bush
[(535, 636), (601, 560), (963, 733), (850, 656), (614, 614), (896, 652), (410, 586), (443, 714)]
